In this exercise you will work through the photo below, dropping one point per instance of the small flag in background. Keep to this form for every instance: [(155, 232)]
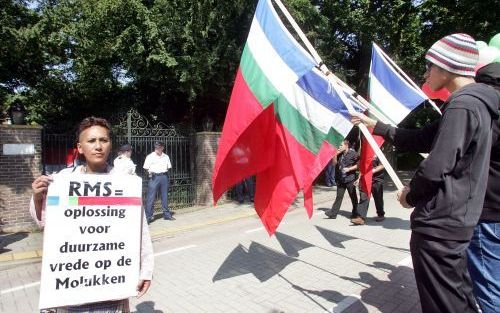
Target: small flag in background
[(389, 92), (393, 98), (282, 123)]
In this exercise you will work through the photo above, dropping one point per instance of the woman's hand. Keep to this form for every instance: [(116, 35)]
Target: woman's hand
[(40, 186), (143, 287), (358, 118)]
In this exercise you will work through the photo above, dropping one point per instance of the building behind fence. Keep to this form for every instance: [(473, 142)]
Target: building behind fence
[(192, 156)]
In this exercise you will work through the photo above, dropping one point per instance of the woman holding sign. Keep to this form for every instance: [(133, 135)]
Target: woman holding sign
[(94, 146)]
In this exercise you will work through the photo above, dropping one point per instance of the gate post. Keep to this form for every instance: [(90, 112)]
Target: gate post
[(205, 146), (20, 164), (129, 127)]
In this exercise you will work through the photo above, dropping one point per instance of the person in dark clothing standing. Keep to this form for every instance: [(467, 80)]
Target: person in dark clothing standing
[(248, 185), (345, 176), (377, 193), (448, 187), (484, 249)]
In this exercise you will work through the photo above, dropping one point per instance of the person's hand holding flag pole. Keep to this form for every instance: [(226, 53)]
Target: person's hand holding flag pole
[(361, 119)]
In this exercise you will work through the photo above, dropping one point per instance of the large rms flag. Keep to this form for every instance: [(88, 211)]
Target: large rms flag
[(279, 121)]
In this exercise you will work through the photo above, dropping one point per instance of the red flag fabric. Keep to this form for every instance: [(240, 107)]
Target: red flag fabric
[(254, 142), (366, 163)]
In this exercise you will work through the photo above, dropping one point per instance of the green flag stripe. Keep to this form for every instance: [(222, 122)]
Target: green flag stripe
[(258, 83)]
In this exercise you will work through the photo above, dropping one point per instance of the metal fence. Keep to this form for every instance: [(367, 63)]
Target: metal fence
[(59, 151)]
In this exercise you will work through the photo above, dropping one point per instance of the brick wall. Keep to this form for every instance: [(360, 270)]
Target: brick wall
[(205, 151), (17, 172)]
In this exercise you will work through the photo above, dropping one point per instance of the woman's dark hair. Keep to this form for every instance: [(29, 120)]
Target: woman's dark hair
[(87, 123), (92, 121)]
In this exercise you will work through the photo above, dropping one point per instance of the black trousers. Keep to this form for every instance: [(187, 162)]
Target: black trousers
[(351, 189), (443, 281), (378, 198)]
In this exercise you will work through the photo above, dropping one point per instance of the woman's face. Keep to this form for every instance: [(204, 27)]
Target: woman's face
[(94, 143)]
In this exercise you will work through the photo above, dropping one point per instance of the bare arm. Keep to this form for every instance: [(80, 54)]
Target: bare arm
[(378, 168), (351, 168)]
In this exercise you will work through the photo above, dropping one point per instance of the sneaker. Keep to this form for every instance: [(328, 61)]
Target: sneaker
[(358, 220), (379, 218), (169, 218)]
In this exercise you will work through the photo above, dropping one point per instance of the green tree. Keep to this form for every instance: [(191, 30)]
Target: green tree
[(354, 25), (97, 47), (21, 59), (476, 18), (175, 60)]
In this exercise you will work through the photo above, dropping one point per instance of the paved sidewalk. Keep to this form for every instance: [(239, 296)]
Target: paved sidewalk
[(17, 247), (220, 259)]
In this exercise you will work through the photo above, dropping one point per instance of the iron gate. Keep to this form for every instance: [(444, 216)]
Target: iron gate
[(58, 151)]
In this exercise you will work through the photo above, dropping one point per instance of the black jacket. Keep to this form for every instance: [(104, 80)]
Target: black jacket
[(448, 188), (346, 159), (490, 74)]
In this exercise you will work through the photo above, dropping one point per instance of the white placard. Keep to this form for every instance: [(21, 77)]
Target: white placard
[(92, 239), (18, 149)]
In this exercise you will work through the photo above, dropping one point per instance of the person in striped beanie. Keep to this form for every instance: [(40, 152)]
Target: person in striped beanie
[(448, 188)]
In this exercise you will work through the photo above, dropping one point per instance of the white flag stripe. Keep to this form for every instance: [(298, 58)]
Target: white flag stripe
[(309, 108), (275, 69), (386, 103)]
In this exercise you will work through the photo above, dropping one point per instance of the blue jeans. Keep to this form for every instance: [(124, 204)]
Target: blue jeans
[(484, 265), (157, 182), (330, 174), (248, 183)]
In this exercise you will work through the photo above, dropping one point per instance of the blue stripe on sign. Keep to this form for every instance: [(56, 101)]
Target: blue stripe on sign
[(318, 87), (282, 41), (393, 82), (53, 200)]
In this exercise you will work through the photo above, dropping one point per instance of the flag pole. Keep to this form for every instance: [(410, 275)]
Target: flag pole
[(341, 94), (408, 79)]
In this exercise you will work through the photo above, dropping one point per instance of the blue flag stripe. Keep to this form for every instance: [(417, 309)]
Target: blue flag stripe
[(393, 82), (319, 89), (286, 47)]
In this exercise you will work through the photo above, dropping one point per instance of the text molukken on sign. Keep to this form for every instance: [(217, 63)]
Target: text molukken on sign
[(94, 280)]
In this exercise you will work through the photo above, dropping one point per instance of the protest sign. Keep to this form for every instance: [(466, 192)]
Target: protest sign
[(92, 239)]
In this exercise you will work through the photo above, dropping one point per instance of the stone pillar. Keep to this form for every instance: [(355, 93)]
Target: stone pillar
[(205, 151), (20, 164)]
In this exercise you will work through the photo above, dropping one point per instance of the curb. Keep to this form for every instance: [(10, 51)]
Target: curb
[(173, 231)]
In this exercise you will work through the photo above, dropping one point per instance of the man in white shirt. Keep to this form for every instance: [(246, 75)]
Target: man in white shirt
[(123, 164), (157, 164)]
